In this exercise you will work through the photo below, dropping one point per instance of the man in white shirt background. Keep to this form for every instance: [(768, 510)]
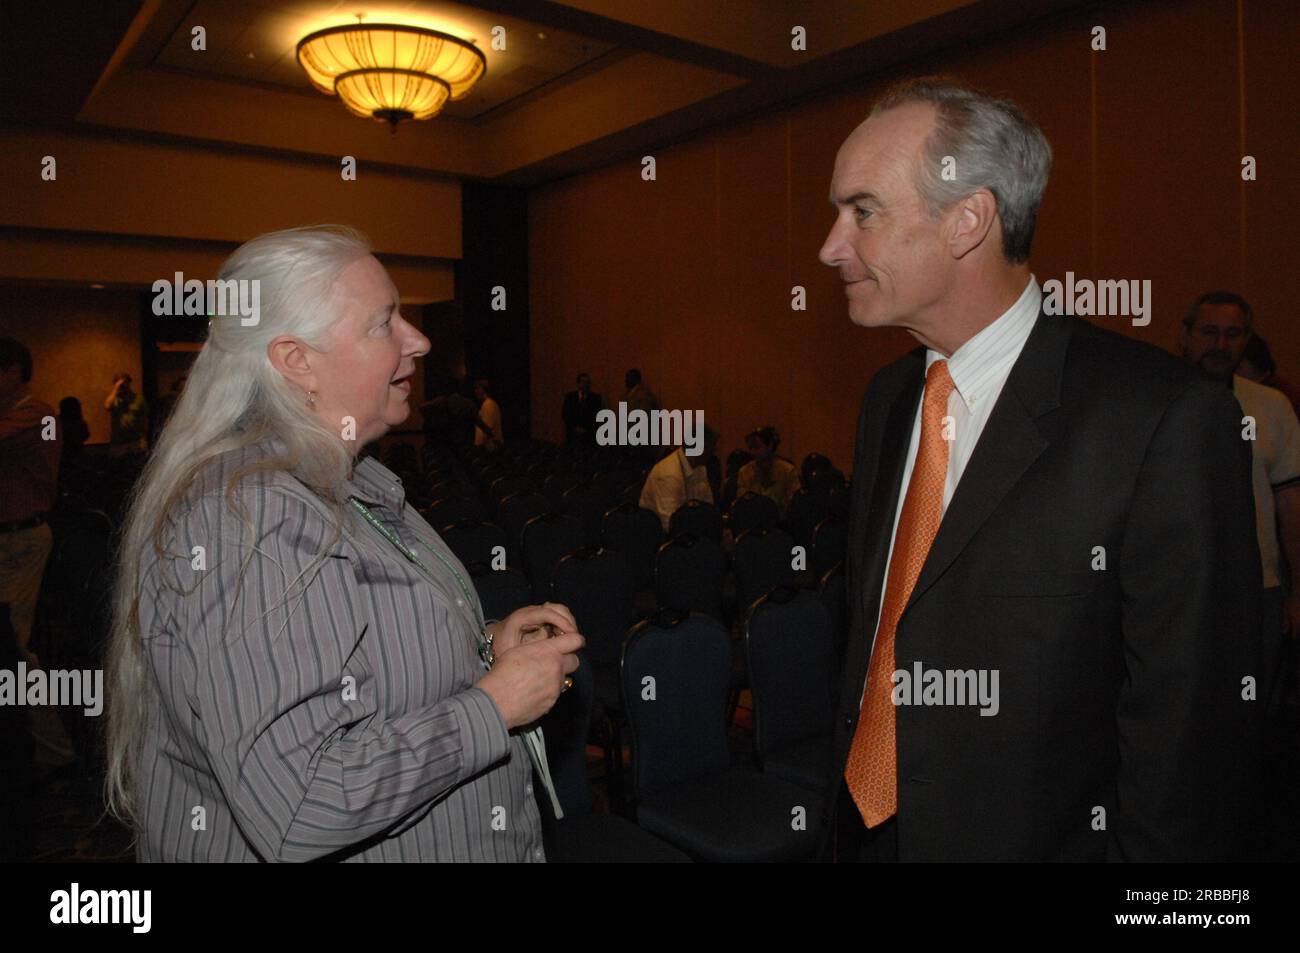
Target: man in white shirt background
[(1216, 330), (678, 478)]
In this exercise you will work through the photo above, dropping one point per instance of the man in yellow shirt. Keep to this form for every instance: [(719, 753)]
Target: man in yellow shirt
[(767, 474)]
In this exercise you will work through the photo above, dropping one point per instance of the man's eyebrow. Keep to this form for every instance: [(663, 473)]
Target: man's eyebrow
[(856, 197), (387, 309)]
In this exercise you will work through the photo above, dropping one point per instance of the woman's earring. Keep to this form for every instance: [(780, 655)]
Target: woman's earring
[(311, 398)]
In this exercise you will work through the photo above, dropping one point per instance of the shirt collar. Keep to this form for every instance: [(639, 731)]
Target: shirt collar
[(976, 366), (375, 483)]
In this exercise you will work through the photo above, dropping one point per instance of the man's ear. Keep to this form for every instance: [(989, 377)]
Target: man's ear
[(292, 358), (972, 220)]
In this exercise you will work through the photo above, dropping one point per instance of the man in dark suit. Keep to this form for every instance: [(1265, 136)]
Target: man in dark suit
[(580, 409), (1052, 570)]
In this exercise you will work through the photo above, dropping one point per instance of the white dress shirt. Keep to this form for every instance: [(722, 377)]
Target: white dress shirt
[(1275, 464), (979, 369), (672, 482)]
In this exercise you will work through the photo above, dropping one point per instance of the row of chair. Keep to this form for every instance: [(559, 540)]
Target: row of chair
[(674, 676)]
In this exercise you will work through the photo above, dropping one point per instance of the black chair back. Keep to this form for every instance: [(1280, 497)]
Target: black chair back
[(501, 591), (698, 518), (750, 511), (831, 591), (548, 539), (763, 559), (829, 545), (807, 509), (788, 640), (636, 533), (593, 583), (589, 505), (689, 574), (675, 676), (446, 510), (515, 512), (565, 730), (473, 541)]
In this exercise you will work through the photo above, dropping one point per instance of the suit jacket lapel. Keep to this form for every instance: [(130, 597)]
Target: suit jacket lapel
[(879, 524), (1015, 434)]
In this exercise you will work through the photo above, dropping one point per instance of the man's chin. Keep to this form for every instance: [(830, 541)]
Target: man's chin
[(1217, 372), (868, 317)]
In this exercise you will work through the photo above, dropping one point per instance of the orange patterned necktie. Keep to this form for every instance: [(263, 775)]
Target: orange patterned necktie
[(872, 771)]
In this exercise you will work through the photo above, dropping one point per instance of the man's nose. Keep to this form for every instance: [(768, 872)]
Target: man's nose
[(832, 251)]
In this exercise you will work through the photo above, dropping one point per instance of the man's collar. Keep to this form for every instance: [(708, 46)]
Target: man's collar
[(974, 366)]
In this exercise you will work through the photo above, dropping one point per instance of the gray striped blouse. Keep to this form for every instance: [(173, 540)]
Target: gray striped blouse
[(303, 708)]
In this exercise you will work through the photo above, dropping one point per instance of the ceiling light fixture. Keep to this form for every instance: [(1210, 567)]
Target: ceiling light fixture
[(390, 72)]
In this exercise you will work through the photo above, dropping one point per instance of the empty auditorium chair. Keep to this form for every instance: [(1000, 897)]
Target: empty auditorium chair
[(515, 511), (501, 591), (582, 836), (675, 678), (636, 533), (697, 517), (763, 559), (689, 574), (750, 511), (789, 644), (807, 509), (547, 539), (474, 541), (829, 544), (446, 510)]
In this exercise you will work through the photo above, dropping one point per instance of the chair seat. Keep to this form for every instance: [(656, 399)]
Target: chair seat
[(734, 816), (807, 763), (609, 839)]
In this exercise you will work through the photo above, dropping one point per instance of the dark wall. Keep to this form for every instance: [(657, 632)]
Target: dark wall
[(495, 239)]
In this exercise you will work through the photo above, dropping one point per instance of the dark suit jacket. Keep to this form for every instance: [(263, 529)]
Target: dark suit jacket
[(581, 414), (1120, 688)]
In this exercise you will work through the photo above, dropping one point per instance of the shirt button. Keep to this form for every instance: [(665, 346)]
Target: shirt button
[(460, 602), (528, 789), (539, 853)]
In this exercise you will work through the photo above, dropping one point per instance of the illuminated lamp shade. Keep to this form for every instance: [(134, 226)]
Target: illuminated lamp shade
[(390, 72)]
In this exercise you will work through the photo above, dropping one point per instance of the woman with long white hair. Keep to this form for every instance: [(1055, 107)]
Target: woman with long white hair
[(299, 667)]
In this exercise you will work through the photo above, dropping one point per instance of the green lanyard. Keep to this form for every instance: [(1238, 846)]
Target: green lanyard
[(484, 646)]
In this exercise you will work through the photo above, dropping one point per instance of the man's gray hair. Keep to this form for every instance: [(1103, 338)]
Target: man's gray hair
[(993, 145)]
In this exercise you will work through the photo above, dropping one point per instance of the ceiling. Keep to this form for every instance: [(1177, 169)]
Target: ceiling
[(580, 83)]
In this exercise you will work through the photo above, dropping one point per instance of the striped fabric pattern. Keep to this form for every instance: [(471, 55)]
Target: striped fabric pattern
[(305, 708)]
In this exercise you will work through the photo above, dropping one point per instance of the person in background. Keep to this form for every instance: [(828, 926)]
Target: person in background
[(1257, 365), (30, 448), (580, 409), (487, 432), (767, 474), (639, 396), (128, 416), (678, 478), (73, 428), (817, 473), (1217, 330), (736, 461)]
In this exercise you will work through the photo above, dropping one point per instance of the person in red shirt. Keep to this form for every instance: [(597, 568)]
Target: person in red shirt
[(29, 472)]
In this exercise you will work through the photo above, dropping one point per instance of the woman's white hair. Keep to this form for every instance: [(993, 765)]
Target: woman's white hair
[(233, 397)]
